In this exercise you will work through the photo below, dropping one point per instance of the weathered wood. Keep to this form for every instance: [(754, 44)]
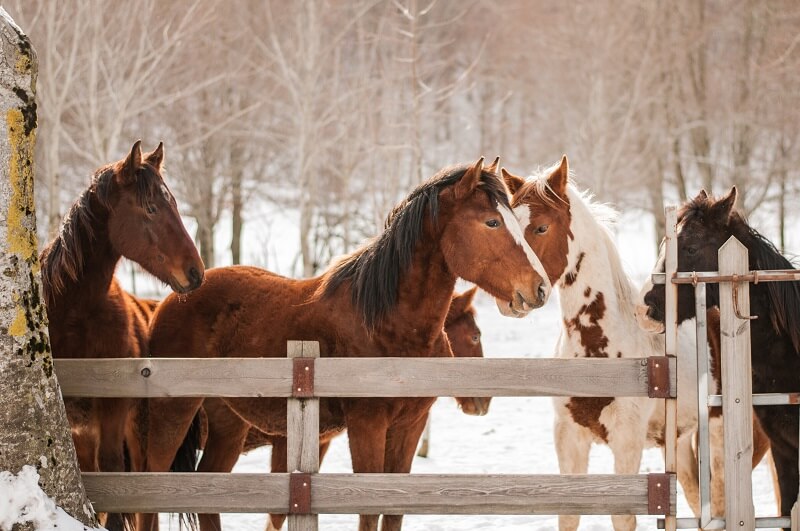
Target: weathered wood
[(703, 373), (737, 404), (671, 348), (376, 493), (795, 517), (302, 435), (34, 430), (358, 377)]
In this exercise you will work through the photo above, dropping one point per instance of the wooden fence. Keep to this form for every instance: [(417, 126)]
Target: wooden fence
[(371, 377)]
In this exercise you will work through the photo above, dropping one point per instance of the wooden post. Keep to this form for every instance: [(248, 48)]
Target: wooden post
[(302, 437), (737, 392), (671, 348), (34, 431)]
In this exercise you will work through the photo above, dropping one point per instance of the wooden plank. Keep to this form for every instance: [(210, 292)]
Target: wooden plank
[(375, 493), (703, 373), (795, 517), (174, 377), (671, 348), (737, 402), (302, 424), (357, 377)]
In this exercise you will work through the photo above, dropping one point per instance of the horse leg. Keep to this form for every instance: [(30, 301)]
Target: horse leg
[(687, 471), (275, 521), (627, 445), (112, 417), (169, 420), (221, 452), (716, 435), (401, 444), (426, 440), (573, 443), (366, 428), (785, 457)]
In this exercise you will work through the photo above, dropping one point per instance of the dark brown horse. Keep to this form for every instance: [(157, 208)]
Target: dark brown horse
[(704, 225), (228, 435), (389, 298), (126, 211)]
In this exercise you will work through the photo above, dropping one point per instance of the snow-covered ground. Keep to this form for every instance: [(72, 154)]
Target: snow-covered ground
[(517, 434)]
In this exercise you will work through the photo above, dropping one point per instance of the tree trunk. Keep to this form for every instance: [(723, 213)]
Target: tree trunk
[(33, 424), (236, 216)]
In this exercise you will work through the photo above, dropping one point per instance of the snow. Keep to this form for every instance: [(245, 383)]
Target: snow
[(22, 500), (517, 434)]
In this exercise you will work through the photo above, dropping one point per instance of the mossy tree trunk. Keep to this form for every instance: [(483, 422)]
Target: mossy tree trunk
[(33, 424)]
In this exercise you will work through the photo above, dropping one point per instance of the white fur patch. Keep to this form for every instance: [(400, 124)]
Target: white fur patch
[(514, 228)]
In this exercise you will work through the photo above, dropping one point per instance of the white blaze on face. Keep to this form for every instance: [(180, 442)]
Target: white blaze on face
[(516, 231)]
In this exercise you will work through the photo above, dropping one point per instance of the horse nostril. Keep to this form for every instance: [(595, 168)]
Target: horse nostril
[(194, 276), (542, 293)]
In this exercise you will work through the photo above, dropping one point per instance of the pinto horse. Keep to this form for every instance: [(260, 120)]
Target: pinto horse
[(128, 211), (704, 225), (389, 298), (569, 233), (226, 430)]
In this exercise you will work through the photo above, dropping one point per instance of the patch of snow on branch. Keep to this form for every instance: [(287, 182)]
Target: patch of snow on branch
[(22, 501)]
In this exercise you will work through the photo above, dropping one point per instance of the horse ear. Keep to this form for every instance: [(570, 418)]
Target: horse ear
[(492, 168), (557, 180), (513, 183), (469, 182), (132, 163), (724, 206), (461, 302), (701, 195), (156, 157)]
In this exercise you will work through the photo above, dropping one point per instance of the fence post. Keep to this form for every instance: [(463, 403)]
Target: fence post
[(302, 437), (737, 392), (671, 348)]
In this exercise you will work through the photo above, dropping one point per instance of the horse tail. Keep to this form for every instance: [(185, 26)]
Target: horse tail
[(186, 461)]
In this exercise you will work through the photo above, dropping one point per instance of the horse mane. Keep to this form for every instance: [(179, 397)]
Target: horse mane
[(784, 297), (375, 269), (63, 260)]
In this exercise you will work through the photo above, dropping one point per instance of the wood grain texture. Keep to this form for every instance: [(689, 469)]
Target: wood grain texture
[(362, 377), (371, 493), (303, 435), (737, 389), (671, 348)]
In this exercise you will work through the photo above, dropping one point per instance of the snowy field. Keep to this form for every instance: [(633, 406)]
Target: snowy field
[(517, 434)]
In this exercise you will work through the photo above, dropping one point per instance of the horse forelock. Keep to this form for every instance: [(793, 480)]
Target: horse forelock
[(375, 270)]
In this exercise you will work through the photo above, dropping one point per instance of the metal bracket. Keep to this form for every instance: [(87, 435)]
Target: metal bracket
[(303, 378), (658, 377), (658, 495), (299, 493)]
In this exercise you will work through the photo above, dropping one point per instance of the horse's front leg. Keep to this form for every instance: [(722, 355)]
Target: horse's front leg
[(573, 443), (367, 422), (401, 444), (626, 440), (111, 417)]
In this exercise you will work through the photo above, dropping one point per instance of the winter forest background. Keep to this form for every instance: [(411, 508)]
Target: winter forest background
[(331, 111)]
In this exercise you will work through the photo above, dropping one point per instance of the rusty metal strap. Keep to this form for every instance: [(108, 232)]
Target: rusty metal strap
[(299, 493), (303, 378), (658, 494), (658, 377)]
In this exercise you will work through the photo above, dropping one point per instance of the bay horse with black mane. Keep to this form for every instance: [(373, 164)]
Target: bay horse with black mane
[(127, 210), (228, 435), (389, 298), (704, 225), (570, 234)]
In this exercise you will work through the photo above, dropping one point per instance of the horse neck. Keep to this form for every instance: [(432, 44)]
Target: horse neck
[(425, 291), (594, 265), (98, 256)]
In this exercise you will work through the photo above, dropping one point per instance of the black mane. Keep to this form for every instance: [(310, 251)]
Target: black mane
[(375, 269)]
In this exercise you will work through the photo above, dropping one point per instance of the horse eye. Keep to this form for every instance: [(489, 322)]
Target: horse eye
[(541, 229), (476, 339), (150, 209), (691, 251), (493, 223)]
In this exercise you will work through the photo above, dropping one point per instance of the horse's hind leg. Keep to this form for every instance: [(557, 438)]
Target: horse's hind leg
[(627, 445), (687, 471), (401, 445), (573, 443)]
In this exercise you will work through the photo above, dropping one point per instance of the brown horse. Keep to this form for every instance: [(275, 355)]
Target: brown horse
[(389, 298), (228, 435), (128, 211)]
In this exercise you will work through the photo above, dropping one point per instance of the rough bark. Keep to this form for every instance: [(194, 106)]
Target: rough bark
[(33, 424)]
